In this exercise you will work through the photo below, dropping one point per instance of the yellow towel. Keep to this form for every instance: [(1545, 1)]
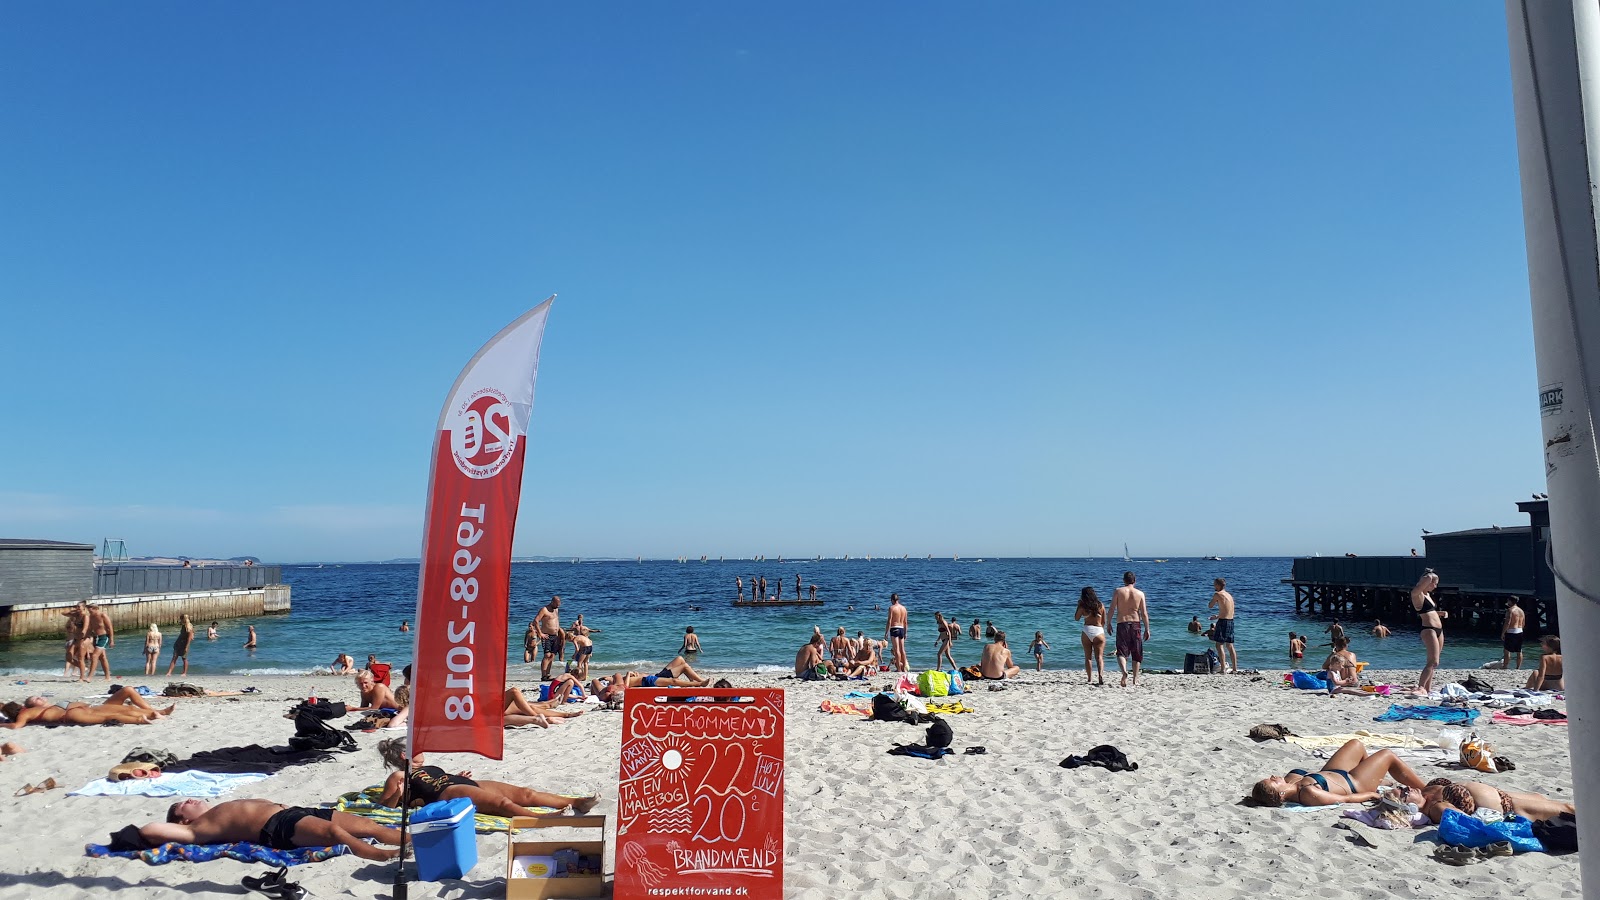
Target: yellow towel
[(1373, 740), (949, 709)]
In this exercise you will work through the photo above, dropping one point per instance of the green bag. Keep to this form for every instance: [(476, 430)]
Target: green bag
[(933, 683)]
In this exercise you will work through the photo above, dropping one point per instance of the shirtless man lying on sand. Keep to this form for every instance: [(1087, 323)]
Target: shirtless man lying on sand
[(273, 824), (677, 673), (124, 706)]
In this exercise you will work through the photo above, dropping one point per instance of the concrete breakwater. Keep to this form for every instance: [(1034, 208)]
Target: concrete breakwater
[(42, 580)]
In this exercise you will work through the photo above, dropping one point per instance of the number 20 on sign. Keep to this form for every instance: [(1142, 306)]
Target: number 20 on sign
[(700, 797)]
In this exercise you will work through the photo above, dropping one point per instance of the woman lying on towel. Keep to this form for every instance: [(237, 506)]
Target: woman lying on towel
[(1351, 775), (125, 706), (1441, 794), (494, 798)]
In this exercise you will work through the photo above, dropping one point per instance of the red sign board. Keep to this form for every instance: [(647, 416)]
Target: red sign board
[(700, 799)]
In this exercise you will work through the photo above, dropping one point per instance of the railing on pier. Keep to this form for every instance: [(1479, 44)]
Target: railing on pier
[(125, 580)]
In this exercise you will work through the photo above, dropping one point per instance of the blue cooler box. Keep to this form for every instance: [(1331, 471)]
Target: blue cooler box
[(445, 840)]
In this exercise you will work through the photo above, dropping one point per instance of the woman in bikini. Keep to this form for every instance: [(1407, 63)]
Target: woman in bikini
[(125, 707), (1441, 794), (1341, 669), (152, 649), (1431, 628), (1350, 776), (494, 798), (1092, 613), (1548, 677)]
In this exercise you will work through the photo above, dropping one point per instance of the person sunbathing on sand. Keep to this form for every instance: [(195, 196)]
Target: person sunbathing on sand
[(1441, 794), (273, 824), (494, 798), (677, 673), (1342, 670), (373, 694), (1351, 775), (124, 706)]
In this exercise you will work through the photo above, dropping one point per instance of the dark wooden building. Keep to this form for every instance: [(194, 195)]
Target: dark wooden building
[(1478, 569), (45, 571)]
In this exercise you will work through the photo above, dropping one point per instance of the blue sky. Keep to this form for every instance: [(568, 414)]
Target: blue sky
[(1029, 279)]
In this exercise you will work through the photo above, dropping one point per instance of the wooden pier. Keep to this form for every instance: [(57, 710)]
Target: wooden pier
[(1479, 571)]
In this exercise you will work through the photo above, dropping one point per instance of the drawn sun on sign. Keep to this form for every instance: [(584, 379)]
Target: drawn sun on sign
[(677, 759)]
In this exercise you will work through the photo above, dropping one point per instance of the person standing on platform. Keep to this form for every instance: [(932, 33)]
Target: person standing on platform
[(894, 631), (738, 586), (797, 592), (1222, 632), (777, 590), (763, 588), (813, 592)]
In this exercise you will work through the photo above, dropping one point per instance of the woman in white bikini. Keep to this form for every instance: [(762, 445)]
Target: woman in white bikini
[(1093, 615)]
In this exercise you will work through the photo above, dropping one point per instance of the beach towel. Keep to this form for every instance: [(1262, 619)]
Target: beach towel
[(1372, 739), (169, 784), (951, 708), (365, 804), (840, 708), (251, 758), (1448, 714), (860, 695), (243, 852), (1307, 682), (1501, 718)]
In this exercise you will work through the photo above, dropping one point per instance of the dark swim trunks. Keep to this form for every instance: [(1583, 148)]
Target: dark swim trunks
[(1222, 633), (1513, 643), (897, 632), (551, 644), (648, 681), (102, 641), (278, 833), (1130, 640)]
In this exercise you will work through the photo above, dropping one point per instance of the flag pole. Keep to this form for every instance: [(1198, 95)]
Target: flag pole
[(1555, 80), (401, 888)]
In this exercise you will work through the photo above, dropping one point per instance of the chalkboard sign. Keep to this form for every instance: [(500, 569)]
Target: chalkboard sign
[(700, 798)]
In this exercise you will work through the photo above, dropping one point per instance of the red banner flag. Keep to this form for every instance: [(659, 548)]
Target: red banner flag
[(459, 672)]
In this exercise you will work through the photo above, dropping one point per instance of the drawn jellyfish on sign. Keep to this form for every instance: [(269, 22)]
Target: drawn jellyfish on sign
[(639, 860)]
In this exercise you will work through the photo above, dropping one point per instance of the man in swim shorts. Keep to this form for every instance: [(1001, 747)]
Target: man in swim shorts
[(104, 637), (1222, 632), (1133, 626), (548, 622), (894, 631), (1511, 634), (271, 824)]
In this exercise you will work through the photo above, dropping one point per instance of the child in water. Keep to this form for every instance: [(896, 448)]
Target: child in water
[(1040, 645)]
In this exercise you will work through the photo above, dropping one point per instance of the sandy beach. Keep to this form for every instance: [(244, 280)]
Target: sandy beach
[(1009, 823)]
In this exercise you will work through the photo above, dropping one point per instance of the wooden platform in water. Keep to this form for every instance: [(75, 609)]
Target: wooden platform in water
[(777, 602)]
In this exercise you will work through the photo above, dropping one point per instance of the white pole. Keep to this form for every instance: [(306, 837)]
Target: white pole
[(1555, 75)]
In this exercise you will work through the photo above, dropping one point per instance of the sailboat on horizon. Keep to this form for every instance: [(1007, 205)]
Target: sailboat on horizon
[(1125, 556)]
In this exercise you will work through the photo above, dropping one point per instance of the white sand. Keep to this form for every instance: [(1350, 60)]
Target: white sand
[(860, 823)]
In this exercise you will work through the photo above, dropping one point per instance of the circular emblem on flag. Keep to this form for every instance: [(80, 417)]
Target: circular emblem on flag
[(481, 437)]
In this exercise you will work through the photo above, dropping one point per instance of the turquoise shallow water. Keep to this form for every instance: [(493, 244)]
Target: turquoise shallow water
[(642, 608)]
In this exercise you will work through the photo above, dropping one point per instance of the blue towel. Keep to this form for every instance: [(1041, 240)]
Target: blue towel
[(243, 852), (169, 784), (1307, 682), (861, 695), (1449, 714)]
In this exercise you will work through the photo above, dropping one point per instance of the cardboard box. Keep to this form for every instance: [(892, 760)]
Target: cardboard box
[(564, 885)]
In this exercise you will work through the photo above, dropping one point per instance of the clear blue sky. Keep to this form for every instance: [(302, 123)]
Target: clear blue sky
[(1027, 279)]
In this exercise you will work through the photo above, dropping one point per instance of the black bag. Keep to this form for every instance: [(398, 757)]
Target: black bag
[(1196, 664), (1477, 685), (323, 708), (887, 709), (1558, 835), (939, 733), (311, 733)]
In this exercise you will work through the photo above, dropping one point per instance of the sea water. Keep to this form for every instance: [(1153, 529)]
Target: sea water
[(640, 610)]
